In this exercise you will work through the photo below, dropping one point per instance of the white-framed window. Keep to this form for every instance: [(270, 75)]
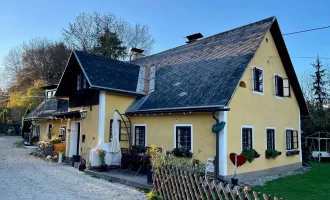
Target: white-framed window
[(282, 86), (270, 138), (183, 136), (246, 137), (63, 132), (291, 139), (38, 128), (140, 134), (258, 80), (84, 82)]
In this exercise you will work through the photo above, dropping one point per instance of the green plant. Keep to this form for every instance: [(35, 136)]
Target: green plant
[(271, 153), (182, 152), (163, 159), (249, 154), (152, 196), (55, 139), (101, 153)]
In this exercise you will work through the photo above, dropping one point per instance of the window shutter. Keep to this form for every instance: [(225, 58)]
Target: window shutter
[(295, 140), (286, 87)]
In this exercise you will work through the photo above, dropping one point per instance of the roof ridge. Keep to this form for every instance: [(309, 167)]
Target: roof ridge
[(208, 37), (104, 58)]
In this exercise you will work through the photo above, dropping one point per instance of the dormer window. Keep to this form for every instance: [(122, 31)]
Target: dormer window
[(258, 80)]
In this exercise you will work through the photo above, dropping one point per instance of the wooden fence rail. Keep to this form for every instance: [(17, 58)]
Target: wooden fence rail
[(176, 184)]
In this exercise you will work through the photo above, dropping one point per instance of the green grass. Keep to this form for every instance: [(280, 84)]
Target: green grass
[(314, 184)]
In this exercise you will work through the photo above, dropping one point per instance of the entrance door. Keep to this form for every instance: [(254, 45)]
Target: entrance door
[(74, 139), (78, 137)]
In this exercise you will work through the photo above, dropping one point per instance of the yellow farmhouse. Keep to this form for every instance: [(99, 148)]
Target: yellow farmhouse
[(243, 78)]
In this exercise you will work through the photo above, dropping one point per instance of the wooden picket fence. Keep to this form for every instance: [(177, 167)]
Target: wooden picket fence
[(176, 184)]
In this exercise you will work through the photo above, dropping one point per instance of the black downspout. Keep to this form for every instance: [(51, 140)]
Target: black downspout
[(216, 167)]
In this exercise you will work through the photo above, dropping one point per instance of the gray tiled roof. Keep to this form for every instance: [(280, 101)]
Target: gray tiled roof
[(202, 73), (41, 113), (108, 73)]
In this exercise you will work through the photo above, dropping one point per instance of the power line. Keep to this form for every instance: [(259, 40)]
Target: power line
[(303, 31), (311, 57)]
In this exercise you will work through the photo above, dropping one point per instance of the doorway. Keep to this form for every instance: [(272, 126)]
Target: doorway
[(75, 139)]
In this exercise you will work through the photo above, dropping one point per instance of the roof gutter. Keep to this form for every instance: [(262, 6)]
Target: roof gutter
[(180, 110)]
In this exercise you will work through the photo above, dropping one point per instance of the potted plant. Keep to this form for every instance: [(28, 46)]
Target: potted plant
[(292, 153), (182, 152), (250, 154), (272, 153), (101, 153)]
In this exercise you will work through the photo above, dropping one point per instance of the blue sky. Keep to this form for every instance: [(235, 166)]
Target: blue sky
[(171, 20)]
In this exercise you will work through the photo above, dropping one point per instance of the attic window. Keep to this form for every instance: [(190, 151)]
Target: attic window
[(81, 82), (282, 86), (242, 84), (258, 80)]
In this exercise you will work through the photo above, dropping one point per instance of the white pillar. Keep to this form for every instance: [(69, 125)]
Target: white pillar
[(299, 135), (223, 145), (101, 117)]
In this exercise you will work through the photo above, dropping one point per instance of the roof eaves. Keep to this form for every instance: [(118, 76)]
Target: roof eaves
[(66, 66), (181, 109), (82, 68)]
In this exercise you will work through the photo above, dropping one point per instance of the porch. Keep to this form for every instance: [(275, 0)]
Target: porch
[(139, 181)]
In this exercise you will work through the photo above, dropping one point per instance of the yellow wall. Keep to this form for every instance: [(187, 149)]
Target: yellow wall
[(89, 128), (261, 111), (115, 102), (160, 131), (55, 128)]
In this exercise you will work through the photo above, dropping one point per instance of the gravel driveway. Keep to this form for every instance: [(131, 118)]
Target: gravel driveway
[(23, 176)]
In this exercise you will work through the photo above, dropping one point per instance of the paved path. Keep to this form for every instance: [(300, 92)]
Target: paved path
[(23, 176)]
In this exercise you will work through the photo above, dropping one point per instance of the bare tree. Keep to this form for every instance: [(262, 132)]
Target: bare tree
[(38, 58), (83, 34)]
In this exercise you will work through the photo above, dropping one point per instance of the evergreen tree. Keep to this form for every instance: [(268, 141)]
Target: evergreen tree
[(109, 45), (319, 86)]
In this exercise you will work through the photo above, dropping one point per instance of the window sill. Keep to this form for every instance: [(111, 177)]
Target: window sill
[(256, 92), (279, 97), (292, 152)]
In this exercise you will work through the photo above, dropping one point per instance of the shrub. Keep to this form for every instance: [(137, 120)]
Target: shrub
[(55, 139), (152, 196), (250, 154), (164, 159)]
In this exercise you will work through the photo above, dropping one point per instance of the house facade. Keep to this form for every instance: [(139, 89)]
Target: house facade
[(45, 117), (243, 77)]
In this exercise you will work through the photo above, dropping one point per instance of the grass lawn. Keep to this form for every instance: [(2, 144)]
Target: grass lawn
[(314, 184)]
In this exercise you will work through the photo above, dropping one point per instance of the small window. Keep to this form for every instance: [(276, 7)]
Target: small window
[(63, 132), (79, 82), (84, 83), (291, 139), (270, 138), (247, 138), (49, 94), (183, 137), (282, 86), (110, 135), (140, 134), (258, 80)]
